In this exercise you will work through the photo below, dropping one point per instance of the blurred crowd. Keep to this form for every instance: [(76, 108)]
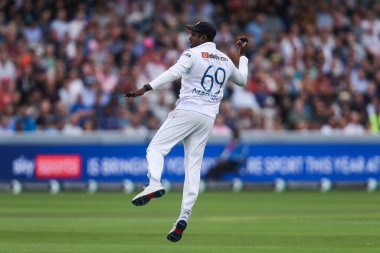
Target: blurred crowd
[(65, 64)]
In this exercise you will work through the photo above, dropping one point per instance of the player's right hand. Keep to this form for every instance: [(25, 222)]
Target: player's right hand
[(130, 94), (135, 93)]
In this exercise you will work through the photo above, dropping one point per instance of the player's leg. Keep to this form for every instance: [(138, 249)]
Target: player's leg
[(194, 146), (170, 133), (174, 129)]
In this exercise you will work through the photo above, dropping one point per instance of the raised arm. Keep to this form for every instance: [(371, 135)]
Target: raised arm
[(240, 75)]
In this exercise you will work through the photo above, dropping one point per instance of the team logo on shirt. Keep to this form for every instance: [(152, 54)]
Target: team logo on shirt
[(204, 54), (213, 56)]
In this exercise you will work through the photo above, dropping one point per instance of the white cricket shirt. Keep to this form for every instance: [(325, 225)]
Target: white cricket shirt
[(205, 71)]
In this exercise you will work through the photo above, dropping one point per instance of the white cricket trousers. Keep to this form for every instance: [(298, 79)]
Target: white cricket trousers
[(194, 129)]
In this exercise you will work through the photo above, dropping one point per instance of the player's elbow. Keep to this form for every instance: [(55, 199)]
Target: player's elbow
[(242, 82)]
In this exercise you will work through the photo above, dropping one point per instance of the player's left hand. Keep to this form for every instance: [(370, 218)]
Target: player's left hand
[(242, 44), (242, 41)]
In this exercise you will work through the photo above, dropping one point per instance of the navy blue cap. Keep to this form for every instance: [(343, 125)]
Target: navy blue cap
[(203, 28)]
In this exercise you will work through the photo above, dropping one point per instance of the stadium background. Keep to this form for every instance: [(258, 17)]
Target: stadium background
[(310, 116)]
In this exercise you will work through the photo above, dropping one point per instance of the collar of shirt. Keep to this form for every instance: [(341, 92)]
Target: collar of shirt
[(212, 44)]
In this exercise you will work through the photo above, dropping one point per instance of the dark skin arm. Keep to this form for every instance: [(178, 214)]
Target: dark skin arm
[(137, 93), (242, 46)]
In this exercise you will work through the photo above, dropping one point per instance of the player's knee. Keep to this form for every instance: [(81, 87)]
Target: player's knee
[(155, 149)]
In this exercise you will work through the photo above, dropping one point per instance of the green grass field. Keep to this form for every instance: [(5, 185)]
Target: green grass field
[(222, 222)]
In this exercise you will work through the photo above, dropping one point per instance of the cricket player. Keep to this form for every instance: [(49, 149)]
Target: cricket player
[(204, 71)]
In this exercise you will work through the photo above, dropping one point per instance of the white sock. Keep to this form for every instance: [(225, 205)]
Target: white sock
[(185, 214)]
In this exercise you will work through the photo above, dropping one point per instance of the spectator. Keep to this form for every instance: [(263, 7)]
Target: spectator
[(72, 126), (354, 127), (246, 105), (6, 93), (60, 25), (298, 115), (135, 128), (374, 117), (45, 115), (25, 122), (77, 24), (220, 128), (33, 33), (7, 67), (6, 124)]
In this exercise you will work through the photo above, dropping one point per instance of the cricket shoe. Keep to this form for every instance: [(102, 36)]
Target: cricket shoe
[(150, 192), (176, 232)]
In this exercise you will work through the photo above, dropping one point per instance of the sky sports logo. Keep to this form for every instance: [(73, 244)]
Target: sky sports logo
[(213, 56), (58, 166)]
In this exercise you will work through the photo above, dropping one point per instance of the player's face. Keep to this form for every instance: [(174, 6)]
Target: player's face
[(196, 39)]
